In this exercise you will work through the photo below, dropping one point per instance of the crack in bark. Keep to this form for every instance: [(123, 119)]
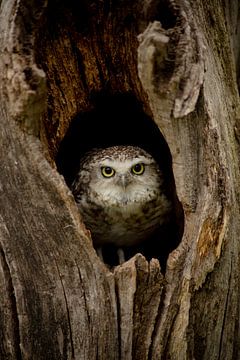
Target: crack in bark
[(137, 331), (156, 317), (84, 297), (141, 310), (118, 306), (168, 327), (67, 308), (13, 304), (157, 321), (225, 313), (154, 332)]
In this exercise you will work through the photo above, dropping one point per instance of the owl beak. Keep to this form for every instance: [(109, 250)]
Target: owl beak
[(124, 181)]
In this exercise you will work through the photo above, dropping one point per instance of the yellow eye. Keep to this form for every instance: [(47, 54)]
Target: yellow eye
[(138, 169), (107, 171)]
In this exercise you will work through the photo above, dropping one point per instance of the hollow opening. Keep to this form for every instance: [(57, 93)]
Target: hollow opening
[(95, 99), (120, 120), (163, 11)]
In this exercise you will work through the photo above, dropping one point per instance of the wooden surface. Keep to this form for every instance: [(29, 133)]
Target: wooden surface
[(58, 300)]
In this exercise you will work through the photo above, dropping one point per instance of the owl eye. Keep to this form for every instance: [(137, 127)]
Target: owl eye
[(138, 169), (107, 171)]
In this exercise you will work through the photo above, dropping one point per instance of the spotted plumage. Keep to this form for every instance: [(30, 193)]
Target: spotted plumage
[(120, 194)]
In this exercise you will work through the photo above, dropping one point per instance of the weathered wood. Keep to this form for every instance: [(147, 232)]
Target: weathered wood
[(53, 305), (180, 59), (139, 286), (204, 150)]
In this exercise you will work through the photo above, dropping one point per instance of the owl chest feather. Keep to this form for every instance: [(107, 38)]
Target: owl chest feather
[(123, 223)]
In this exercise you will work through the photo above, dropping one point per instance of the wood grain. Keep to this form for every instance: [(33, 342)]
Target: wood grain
[(180, 60)]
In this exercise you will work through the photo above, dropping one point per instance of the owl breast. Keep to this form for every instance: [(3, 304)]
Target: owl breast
[(124, 223)]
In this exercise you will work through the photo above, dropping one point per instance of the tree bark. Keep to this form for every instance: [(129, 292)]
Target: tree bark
[(180, 59)]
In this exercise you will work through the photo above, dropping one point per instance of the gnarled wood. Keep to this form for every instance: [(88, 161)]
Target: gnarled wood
[(179, 59)]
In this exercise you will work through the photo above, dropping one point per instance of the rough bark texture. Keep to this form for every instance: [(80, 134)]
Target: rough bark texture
[(181, 60)]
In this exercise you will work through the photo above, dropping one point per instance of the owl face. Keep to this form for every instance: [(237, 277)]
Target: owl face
[(122, 175)]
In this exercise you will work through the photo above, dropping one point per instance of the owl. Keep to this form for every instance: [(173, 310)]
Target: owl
[(120, 193)]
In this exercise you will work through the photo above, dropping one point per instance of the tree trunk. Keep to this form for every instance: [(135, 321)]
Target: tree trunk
[(179, 59)]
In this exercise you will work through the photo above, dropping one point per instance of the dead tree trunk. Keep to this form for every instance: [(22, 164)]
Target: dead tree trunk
[(180, 59)]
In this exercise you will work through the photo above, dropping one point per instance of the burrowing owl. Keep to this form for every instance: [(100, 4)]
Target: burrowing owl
[(120, 194)]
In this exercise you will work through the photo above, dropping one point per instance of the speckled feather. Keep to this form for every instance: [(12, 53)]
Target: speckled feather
[(121, 215)]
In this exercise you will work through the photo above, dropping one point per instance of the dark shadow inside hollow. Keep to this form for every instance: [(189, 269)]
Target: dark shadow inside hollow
[(120, 120), (163, 11)]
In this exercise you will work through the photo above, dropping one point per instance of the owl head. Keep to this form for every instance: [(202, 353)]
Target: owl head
[(118, 175)]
